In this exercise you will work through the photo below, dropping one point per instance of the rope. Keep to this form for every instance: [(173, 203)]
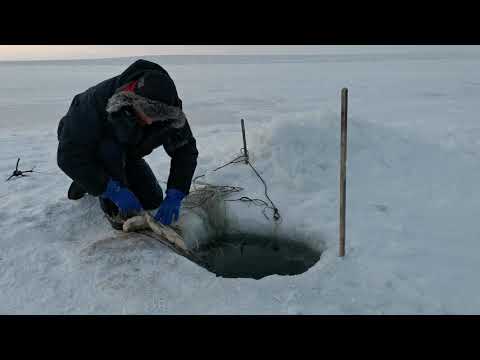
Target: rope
[(209, 193), (276, 213), (227, 190), (237, 160)]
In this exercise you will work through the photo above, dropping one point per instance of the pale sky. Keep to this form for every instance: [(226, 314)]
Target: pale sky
[(53, 52)]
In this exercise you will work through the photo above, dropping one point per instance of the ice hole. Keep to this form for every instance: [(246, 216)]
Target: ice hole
[(256, 256), (219, 241)]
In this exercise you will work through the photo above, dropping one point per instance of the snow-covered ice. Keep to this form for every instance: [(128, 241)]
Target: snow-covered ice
[(412, 176)]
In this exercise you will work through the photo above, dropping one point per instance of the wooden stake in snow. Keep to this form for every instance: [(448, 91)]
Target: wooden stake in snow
[(343, 170), (244, 143)]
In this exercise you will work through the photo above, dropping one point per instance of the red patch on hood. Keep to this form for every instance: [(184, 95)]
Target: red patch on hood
[(130, 87)]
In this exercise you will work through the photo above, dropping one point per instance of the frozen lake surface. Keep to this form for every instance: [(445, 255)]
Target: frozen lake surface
[(413, 170)]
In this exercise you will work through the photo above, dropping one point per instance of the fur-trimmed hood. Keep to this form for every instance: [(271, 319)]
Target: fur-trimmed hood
[(156, 110)]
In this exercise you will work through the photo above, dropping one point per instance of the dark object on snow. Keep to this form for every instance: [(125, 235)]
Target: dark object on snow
[(17, 172), (87, 123), (76, 191)]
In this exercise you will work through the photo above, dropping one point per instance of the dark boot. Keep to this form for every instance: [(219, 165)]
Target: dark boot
[(76, 191)]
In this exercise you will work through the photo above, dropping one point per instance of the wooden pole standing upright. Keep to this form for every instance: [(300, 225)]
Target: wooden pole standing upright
[(244, 142), (343, 170)]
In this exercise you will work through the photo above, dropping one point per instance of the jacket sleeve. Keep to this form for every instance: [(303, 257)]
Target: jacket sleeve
[(181, 146), (79, 134)]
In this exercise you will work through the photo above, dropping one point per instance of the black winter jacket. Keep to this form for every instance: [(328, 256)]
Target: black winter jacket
[(84, 126)]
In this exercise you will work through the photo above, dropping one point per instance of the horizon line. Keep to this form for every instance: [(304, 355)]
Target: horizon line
[(154, 55)]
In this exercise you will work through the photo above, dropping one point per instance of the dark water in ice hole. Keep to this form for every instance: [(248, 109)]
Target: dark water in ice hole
[(255, 256)]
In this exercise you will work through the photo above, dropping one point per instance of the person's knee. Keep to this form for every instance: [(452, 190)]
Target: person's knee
[(153, 199)]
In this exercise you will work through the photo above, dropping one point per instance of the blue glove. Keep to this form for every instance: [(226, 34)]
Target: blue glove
[(126, 201), (170, 207)]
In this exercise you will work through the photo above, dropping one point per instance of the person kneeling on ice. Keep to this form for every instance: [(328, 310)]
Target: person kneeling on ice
[(107, 131)]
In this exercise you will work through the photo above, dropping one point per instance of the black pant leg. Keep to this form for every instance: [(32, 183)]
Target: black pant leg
[(111, 156), (143, 183)]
